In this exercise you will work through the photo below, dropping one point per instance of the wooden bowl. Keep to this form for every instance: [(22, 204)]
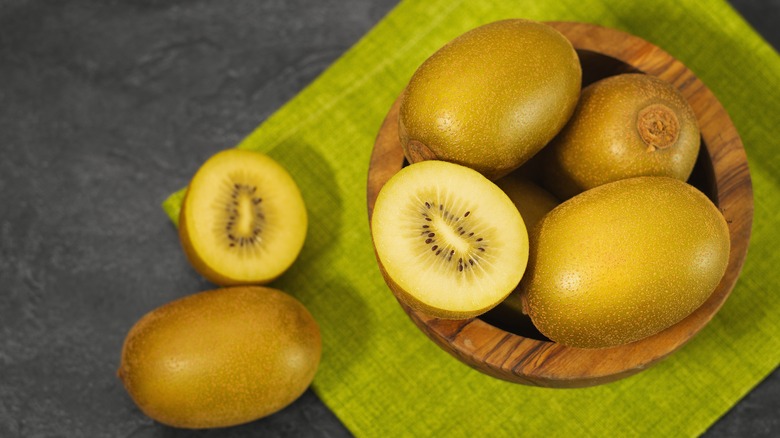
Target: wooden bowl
[(519, 353)]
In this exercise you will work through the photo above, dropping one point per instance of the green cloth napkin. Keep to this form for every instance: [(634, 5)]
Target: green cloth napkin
[(383, 377)]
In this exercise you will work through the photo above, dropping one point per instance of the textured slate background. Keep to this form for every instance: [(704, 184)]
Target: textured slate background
[(99, 101)]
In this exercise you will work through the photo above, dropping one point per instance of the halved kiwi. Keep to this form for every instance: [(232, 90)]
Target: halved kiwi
[(243, 220), (450, 242)]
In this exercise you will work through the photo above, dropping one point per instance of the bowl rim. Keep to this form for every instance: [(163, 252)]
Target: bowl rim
[(515, 358)]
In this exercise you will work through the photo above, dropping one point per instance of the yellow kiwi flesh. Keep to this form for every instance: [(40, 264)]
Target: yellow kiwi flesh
[(623, 261), (243, 220), (491, 98), (624, 126), (449, 242), (221, 358)]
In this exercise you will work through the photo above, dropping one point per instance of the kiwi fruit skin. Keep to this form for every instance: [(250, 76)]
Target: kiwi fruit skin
[(509, 265), (221, 358), (202, 256), (531, 200), (624, 261), (491, 98), (624, 126)]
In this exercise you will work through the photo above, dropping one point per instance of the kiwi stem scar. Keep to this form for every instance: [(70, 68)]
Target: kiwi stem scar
[(658, 126)]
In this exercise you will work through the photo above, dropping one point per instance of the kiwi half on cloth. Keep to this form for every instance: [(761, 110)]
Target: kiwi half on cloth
[(243, 220), (449, 241)]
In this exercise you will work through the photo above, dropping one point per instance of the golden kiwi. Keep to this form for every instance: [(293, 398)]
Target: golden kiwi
[(624, 126), (491, 98), (450, 243), (531, 200), (623, 261), (221, 357), (243, 220)]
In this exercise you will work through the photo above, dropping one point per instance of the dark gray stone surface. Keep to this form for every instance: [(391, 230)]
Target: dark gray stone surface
[(106, 106)]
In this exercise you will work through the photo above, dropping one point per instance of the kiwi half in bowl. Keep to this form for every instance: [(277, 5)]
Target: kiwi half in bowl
[(452, 242), (243, 220)]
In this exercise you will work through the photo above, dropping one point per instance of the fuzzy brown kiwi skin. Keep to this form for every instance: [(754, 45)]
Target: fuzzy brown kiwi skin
[(197, 262)]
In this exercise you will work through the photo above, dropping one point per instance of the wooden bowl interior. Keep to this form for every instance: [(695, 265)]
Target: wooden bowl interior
[(512, 348)]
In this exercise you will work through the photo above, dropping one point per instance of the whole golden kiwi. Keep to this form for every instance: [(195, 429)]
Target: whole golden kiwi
[(531, 200), (221, 358), (624, 126), (624, 261), (491, 98)]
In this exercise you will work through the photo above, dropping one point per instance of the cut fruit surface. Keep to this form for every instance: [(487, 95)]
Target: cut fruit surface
[(243, 220), (451, 241)]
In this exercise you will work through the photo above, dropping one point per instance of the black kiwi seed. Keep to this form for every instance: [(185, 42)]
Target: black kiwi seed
[(428, 233), (231, 208)]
